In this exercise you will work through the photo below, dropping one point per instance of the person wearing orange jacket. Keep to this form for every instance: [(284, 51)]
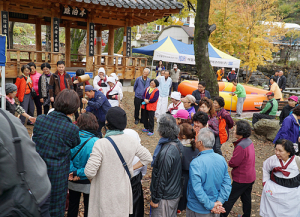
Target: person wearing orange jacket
[(220, 74), (24, 85), (149, 105)]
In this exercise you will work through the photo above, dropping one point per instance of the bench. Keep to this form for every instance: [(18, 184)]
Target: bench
[(281, 104)]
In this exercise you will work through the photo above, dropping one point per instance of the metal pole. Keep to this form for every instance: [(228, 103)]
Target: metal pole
[(3, 94), (238, 74), (151, 68)]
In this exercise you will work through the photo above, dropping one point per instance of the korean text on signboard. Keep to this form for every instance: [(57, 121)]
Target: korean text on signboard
[(91, 39), (4, 18), (56, 34), (128, 42), (74, 12)]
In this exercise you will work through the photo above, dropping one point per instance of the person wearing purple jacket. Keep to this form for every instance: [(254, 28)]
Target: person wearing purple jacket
[(149, 105), (243, 172)]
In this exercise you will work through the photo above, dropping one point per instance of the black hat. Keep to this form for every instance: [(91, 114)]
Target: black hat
[(117, 118)]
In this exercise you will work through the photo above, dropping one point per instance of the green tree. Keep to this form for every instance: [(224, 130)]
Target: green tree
[(77, 35), (201, 34), (118, 40)]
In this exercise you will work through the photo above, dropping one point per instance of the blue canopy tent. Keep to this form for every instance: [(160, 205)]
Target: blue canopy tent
[(3, 46), (171, 50)]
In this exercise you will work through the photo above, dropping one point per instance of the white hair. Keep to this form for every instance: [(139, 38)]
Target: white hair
[(207, 137)]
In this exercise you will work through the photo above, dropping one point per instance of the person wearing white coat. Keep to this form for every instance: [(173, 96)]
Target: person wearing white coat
[(100, 81), (114, 93), (176, 103), (118, 83)]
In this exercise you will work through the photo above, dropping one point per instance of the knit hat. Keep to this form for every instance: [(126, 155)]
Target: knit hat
[(10, 87), (270, 94), (117, 118), (176, 95), (294, 98), (101, 69), (183, 114), (111, 79)]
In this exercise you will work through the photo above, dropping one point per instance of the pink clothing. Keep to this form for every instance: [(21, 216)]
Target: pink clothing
[(11, 100), (35, 81), (243, 161)]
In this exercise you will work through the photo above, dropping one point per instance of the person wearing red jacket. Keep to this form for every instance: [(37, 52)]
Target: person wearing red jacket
[(243, 172), (24, 85)]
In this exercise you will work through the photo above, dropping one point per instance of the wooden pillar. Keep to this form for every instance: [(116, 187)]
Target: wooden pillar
[(68, 44), (89, 59), (38, 39), (99, 44), (111, 44)]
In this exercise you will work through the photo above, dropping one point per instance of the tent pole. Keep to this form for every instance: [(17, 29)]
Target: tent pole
[(238, 74), (3, 100), (151, 68)]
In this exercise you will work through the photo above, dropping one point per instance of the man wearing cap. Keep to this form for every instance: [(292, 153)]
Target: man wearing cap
[(174, 73), (100, 81), (140, 85), (269, 111), (231, 75), (292, 102), (165, 82), (176, 103), (275, 89), (97, 104), (240, 92)]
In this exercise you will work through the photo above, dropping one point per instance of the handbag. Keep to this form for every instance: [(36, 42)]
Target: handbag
[(32, 92), (18, 201), (120, 156)]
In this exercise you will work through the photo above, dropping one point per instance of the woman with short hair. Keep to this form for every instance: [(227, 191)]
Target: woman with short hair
[(281, 180), (188, 103), (78, 182), (24, 86), (35, 76), (243, 169), (111, 193), (55, 135), (44, 87)]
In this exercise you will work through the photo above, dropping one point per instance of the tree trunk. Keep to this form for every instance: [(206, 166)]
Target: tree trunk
[(118, 40), (202, 33), (48, 39), (77, 35), (11, 35)]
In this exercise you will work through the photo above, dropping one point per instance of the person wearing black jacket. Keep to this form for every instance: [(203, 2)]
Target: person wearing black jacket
[(281, 81), (292, 102), (167, 169), (200, 93)]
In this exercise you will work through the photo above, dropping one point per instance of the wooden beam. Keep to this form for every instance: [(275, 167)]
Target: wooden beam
[(111, 36), (68, 44), (109, 21), (38, 39)]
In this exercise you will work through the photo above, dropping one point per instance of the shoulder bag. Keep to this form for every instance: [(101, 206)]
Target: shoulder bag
[(81, 148), (32, 92), (18, 200), (120, 156)]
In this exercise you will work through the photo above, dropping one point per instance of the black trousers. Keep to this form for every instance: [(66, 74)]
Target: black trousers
[(38, 105), (137, 108), (242, 190), (47, 107), (74, 199), (257, 116), (149, 120), (138, 197)]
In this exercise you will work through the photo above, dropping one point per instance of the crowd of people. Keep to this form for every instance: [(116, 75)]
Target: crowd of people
[(68, 157)]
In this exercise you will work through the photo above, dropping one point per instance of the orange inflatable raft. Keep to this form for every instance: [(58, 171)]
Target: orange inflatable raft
[(254, 97)]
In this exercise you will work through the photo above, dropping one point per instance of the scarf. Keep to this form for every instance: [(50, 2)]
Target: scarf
[(11, 101), (27, 78), (281, 169), (110, 91), (99, 83), (113, 132), (151, 90), (160, 144), (174, 108), (44, 85)]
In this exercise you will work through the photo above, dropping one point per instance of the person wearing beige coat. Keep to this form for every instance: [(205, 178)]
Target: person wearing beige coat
[(110, 192)]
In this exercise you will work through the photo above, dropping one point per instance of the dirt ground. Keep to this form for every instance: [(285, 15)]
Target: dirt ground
[(263, 150)]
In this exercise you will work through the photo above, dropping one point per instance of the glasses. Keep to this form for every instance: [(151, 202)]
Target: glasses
[(186, 102)]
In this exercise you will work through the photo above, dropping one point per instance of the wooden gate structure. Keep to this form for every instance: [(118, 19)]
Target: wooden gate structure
[(92, 15)]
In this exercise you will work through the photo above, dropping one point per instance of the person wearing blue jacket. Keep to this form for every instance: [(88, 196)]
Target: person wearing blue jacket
[(209, 183), (140, 85), (290, 127), (78, 182), (97, 104)]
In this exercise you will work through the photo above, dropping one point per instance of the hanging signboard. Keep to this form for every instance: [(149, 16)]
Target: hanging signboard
[(56, 34), (74, 11), (4, 18), (128, 42), (91, 39)]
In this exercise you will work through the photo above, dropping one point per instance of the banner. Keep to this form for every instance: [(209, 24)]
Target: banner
[(91, 40), (190, 59), (56, 34), (3, 50), (128, 42)]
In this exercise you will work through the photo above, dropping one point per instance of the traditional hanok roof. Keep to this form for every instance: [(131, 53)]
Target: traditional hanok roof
[(138, 4)]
